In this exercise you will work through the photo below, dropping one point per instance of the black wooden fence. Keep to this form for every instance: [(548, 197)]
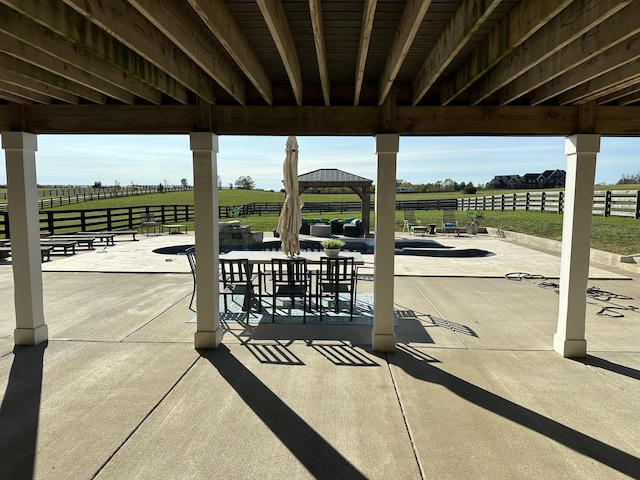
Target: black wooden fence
[(606, 203), (94, 219), (55, 197)]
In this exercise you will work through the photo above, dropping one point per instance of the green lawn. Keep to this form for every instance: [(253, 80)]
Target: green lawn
[(613, 234)]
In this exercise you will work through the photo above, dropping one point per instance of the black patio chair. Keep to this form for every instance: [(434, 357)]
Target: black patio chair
[(336, 275), (191, 257), (290, 278), (238, 279)]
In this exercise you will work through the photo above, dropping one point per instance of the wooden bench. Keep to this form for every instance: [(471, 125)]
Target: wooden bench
[(45, 252), (65, 245), (174, 227), (105, 237), (121, 232), (85, 240)]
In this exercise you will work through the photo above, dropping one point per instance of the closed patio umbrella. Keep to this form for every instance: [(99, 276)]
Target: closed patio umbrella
[(291, 216)]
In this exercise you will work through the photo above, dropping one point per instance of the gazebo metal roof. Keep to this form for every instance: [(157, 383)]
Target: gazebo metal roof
[(331, 177)]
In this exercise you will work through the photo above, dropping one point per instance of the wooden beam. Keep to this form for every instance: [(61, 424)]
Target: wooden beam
[(412, 17), (526, 18), (315, 8), (216, 16), (37, 86), (625, 96), (360, 121), (603, 63), (27, 70), (41, 52), (171, 19), (613, 31), (469, 17), (368, 14), (587, 118), (100, 53), (127, 25), (630, 98), (571, 23), (14, 99), (276, 19), (25, 93), (16, 118), (616, 79)]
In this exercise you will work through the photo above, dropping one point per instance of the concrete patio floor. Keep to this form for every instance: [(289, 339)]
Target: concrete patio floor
[(474, 389)]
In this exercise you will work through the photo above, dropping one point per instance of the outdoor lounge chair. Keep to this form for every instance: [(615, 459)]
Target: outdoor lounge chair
[(410, 221), (449, 222)]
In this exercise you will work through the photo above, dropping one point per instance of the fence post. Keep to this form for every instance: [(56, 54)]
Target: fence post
[(514, 202), (83, 221), (543, 199), (109, 223), (560, 200), (50, 225), (7, 230), (607, 204)]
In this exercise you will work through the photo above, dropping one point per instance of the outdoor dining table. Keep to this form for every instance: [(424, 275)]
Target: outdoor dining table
[(264, 258)]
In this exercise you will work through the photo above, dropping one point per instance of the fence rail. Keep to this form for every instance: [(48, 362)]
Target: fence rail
[(606, 203), (623, 203), (93, 220), (68, 196)]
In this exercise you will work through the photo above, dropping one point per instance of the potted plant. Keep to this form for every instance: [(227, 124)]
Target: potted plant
[(332, 246), (473, 221)]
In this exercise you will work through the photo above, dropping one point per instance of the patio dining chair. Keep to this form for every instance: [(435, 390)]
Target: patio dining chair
[(290, 278), (238, 278), (336, 275), (147, 221), (191, 257)]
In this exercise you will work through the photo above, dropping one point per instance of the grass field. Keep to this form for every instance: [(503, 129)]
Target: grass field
[(613, 234)]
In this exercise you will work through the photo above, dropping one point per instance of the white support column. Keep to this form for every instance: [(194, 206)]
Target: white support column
[(205, 198), (383, 335), (581, 150), (20, 151)]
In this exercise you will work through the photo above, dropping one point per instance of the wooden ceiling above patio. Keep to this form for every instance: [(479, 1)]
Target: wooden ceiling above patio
[(317, 67)]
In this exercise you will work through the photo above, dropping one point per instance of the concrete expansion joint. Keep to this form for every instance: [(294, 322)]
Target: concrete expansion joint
[(404, 416)]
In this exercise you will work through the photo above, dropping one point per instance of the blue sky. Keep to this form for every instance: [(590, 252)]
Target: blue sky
[(83, 159)]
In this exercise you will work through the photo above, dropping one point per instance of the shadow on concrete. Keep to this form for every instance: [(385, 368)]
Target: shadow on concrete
[(20, 413), (611, 366), (584, 444), (313, 451)]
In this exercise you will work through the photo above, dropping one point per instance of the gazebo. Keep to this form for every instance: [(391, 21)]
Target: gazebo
[(332, 177)]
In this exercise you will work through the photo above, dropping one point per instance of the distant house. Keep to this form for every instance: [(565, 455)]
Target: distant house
[(404, 189), (546, 179)]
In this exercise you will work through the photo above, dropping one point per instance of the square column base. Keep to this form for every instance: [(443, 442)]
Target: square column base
[(384, 343), (208, 339), (31, 336), (569, 348)]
